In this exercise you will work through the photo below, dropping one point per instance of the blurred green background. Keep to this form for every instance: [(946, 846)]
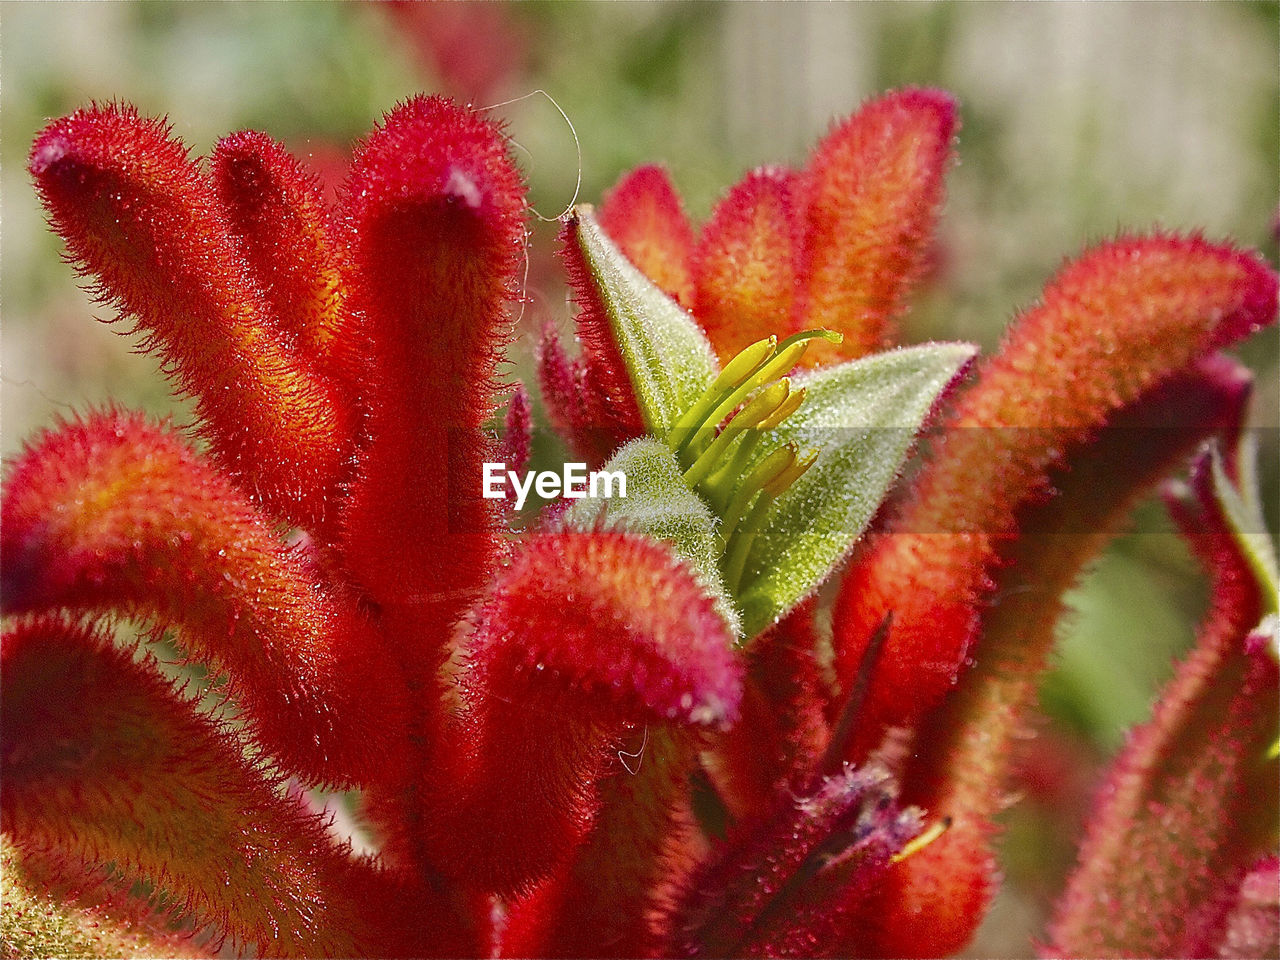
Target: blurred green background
[(1078, 120)]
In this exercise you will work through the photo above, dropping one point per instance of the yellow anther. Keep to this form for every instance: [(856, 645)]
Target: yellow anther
[(736, 372), (745, 363), (779, 484), (785, 409), (696, 428), (719, 487), (761, 406), (926, 837), (713, 462), (777, 462), (782, 362)]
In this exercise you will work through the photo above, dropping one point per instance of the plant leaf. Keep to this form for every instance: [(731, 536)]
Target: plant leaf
[(967, 732), (863, 415), (660, 504), (670, 360), (1242, 511)]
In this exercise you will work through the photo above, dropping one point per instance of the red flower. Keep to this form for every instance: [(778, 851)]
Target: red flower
[(343, 364), (613, 734), (1106, 386)]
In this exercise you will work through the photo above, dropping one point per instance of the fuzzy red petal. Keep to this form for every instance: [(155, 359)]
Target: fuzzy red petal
[(871, 195), (615, 619), (604, 902), (785, 886), (140, 217), (282, 229), (962, 753), (605, 380), (577, 410), (585, 635), (102, 762), (783, 734), (435, 210), (643, 216), (115, 513), (517, 433), (747, 262), (1113, 324), (1183, 812)]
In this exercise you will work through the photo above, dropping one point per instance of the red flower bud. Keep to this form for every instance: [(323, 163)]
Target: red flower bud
[(141, 218), (642, 214)]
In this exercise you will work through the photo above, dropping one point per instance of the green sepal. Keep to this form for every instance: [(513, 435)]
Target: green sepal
[(668, 357), (1242, 509), (862, 416), (659, 504)]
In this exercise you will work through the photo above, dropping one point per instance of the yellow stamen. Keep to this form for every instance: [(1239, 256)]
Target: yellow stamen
[(761, 407), (831, 336), (771, 486), (788, 407), (926, 837), (719, 487), (780, 364), (775, 463), (783, 481), (736, 371), (788, 355), (747, 361), (713, 463), (740, 543)]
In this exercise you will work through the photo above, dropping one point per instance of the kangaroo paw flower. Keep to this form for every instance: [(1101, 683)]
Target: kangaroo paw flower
[(1173, 833), (561, 668), (112, 513), (644, 721), (141, 218), (1110, 326), (962, 750)]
